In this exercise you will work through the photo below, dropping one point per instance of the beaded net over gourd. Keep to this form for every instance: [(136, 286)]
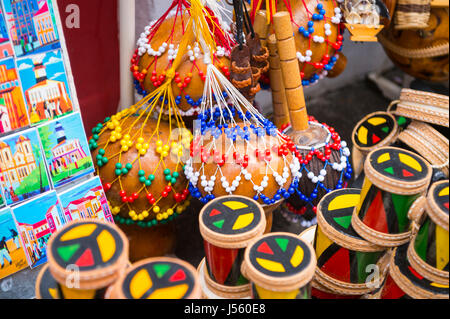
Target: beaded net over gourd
[(159, 45), (236, 150)]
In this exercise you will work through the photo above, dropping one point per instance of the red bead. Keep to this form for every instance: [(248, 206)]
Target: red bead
[(168, 189), (152, 201), (154, 73), (107, 186), (149, 196), (164, 194), (186, 192), (124, 199), (135, 195), (122, 193), (177, 197), (183, 197)]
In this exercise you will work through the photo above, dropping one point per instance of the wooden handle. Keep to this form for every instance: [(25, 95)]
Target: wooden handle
[(261, 27), (290, 71), (280, 106)]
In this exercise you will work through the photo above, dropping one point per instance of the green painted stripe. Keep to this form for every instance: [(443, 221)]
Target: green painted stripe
[(219, 223), (365, 259), (344, 221), (421, 243), (66, 252), (282, 242), (401, 206), (161, 269)]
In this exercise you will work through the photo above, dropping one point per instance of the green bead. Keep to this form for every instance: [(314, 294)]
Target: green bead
[(166, 171), (107, 119), (124, 171), (99, 157), (168, 178), (105, 160), (148, 182), (129, 166), (118, 166), (101, 151), (175, 174), (149, 224), (151, 177), (173, 180), (99, 163), (118, 172), (142, 179), (154, 222), (95, 137), (141, 173)]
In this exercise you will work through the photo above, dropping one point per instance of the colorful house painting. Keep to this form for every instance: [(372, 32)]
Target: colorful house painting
[(36, 223), (86, 200), (13, 114), (5, 45)]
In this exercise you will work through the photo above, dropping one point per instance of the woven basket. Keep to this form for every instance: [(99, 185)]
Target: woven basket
[(412, 14)]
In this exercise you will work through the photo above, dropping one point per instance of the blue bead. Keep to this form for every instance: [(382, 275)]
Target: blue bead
[(301, 29), (311, 30), (310, 24), (306, 34), (320, 17), (320, 6), (322, 12)]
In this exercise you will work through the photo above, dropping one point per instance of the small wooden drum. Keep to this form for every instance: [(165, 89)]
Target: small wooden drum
[(46, 286), (394, 179), (428, 251), (343, 257), (403, 281), (157, 278), (373, 131), (279, 266), (228, 224), (85, 257)]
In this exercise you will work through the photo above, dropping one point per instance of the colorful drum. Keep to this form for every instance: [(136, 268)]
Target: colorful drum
[(279, 266), (403, 281), (157, 278), (344, 259), (428, 251), (373, 131), (227, 225), (394, 179), (85, 257), (46, 286)]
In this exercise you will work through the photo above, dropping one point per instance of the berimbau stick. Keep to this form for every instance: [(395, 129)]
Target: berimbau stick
[(290, 71), (261, 27)]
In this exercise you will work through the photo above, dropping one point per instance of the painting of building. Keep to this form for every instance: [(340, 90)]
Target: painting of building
[(33, 24), (45, 86), (5, 45), (66, 149), (12, 255), (13, 114), (35, 229), (86, 200), (22, 169)]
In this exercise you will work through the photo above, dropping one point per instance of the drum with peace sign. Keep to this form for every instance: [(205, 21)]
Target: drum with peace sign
[(394, 179), (85, 257)]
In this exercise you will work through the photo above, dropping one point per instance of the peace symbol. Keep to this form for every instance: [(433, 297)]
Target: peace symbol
[(231, 215), (374, 130), (158, 280), (87, 245), (398, 164), (280, 255), (441, 193)]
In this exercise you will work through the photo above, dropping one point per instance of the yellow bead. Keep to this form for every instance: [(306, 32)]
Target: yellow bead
[(116, 210), (140, 140), (165, 215), (142, 151), (159, 143), (156, 209), (127, 136), (141, 217), (180, 153), (146, 146), (115, 123), (118, 129), (138, 146), (179, 209), (159, 150), (174, 144), (132, 213), (119, 136), (110, 126), (158, 217), (113, 139), (164, 154), (130, 143), (145, 214), (170, 211), (124, 148), (134, 217), (166, 148)]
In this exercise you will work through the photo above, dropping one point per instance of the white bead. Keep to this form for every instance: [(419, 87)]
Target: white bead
[(323, 172), (321, 178), (308, 52), (315, 179), (310, 175), (343, 143), (213, 178), (264, 184), (223, 178)]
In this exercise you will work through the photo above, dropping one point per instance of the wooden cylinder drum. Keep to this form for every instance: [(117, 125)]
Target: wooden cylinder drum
[(227, 225), (157, 278), (374, 131), (279, 266), (428, 250), (85, 257), (403, 281), (344, 259), (394, 179), (412, 14)]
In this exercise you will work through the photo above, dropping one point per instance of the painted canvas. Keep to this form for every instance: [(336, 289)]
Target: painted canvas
[(37, 220), (5, 45), (22, 167), (45, 86), (12, 255), (66, 149), (86, 200), (32, 26), (13, 113)]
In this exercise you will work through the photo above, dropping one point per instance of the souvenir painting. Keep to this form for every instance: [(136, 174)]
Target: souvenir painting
[(45, 86), (13, 114), (86, 200), (22, 168), (36, 221), (12, 255), (32, 26), (66, 149), (5, 45)]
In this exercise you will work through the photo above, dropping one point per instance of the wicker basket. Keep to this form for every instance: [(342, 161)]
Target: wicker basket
[(412, 14)]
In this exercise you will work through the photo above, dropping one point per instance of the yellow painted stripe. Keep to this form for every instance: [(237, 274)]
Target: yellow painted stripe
[(174, 292), (438, 285), (444, 192), (322, 242), (77, 293), (297, 257), (243, 221), (270, 265), (410, 161), (442, 242), (54, 293), (235, 205), (79, 232), (344, 201), (365, 189), (269, 294), (362, 135), (106, 245), (383, 158), (376, 121), (140, 284)]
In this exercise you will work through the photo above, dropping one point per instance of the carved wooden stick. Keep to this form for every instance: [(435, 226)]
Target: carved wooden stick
[(280, 106), (261, 27), (291, 71)]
